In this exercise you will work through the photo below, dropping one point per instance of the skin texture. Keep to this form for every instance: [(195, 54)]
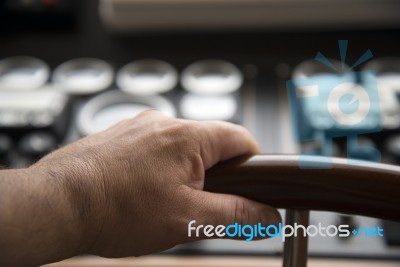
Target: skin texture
[(128, 191)]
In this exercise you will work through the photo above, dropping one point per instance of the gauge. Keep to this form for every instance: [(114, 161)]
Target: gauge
[(23, 73), (312, 68), (83, 76), (211, 77), (147, 77), (203, 107), (317, 75), (111, 107)]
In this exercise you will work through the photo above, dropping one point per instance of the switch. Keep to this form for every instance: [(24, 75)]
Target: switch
[(37, 144)]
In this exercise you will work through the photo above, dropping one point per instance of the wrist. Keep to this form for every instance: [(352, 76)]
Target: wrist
[(81, 196), (65, 235), (36, 226)]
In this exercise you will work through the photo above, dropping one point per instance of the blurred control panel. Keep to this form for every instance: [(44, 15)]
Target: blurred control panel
[(79, 78)]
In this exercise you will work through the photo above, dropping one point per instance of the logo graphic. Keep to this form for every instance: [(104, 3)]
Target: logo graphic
[(251, 232), (341, 103)]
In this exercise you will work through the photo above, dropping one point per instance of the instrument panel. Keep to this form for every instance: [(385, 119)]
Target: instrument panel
[(59, 84)]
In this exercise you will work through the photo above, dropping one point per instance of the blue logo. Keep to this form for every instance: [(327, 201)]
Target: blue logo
[(250, 232), (342, 103)]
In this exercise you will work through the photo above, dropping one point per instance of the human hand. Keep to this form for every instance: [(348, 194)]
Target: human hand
[(134, 187)]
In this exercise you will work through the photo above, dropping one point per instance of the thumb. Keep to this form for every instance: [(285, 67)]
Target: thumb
[(223, 209)]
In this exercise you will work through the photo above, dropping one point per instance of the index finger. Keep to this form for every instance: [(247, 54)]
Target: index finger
[(221, 141)]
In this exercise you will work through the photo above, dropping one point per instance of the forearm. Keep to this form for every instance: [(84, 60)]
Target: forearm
[(127, 191), (36, 222)]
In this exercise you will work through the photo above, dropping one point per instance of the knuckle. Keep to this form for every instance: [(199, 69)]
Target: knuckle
[(176, 128), (175, 139), (242, 214), (180, 131), (148, 113)]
